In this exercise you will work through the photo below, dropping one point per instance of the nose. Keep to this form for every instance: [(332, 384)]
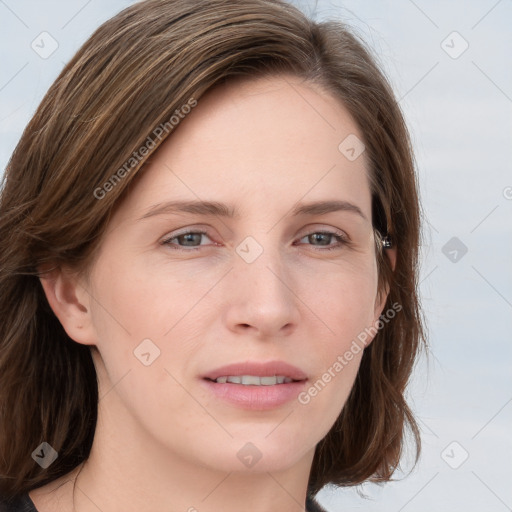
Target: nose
[(261, 299)]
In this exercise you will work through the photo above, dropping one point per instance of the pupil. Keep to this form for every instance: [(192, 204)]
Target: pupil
[(318, 235), (188, 237)]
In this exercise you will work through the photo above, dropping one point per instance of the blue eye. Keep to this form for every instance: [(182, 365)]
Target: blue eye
[(192, 240), (324, 237), (188, 237)]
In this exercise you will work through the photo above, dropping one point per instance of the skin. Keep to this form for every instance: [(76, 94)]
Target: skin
[(162, 441)]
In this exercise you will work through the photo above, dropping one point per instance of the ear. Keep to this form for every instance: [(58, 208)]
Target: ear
[(70, 302)]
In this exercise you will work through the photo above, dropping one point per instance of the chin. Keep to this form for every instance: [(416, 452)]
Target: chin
[(259, 454)]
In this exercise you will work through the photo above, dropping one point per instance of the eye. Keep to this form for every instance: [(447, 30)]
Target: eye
[(189, 238), (325, 237), (192, 240)]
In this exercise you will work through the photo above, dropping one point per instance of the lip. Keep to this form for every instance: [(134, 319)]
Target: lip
[(268, 369), (256, 397)]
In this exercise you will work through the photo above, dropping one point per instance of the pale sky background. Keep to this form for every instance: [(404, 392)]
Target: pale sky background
[(458, 105)]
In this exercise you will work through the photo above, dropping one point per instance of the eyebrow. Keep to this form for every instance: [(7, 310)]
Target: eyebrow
[(215, 208)]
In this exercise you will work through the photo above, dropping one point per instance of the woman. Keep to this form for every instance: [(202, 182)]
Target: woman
[(210, 235)]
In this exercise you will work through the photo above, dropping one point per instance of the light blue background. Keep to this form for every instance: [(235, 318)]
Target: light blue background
[(459, 111)]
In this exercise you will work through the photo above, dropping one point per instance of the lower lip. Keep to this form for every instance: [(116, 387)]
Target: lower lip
[(259, 398)]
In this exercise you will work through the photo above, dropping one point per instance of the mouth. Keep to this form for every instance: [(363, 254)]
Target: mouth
[(253, 380), (256, 386)]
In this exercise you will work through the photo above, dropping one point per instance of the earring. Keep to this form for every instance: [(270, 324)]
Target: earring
[(386, 242)]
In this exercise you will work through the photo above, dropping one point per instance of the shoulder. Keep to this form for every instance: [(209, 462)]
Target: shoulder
[(21, 503), (313, 506)]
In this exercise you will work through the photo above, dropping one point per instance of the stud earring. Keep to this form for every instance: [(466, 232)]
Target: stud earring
[(386, 242)]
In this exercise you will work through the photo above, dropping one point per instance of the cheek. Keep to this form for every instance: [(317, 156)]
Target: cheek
[(143, 316), (137, 302), (343, 297), (345, 303), (132, 311)]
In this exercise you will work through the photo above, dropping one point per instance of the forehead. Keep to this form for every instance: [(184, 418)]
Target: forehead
[(260, 140)]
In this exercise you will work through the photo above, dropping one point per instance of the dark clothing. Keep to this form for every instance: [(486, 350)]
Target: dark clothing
[(20, 504), (25, 504)]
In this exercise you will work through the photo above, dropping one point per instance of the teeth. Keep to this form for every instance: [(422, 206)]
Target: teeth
[(253, 380)]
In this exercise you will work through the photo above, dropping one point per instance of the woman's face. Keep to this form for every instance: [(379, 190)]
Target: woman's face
[(269, 290)]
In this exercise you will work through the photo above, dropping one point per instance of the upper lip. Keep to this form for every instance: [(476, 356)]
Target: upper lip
[(261, 369)]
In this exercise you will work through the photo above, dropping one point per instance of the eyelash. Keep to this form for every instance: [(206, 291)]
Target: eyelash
[(342, 240)]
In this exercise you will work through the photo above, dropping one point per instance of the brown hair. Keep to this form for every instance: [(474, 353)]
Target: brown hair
[(128, 78)]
